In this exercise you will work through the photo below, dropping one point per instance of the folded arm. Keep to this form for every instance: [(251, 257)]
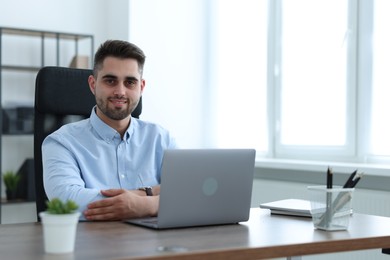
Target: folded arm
[(98, 200), (123, 204)]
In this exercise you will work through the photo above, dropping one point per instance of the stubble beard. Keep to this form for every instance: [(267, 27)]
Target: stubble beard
[(115, 114)]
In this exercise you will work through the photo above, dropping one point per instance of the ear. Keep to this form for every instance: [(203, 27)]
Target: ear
[(92, 83), (143, 83)]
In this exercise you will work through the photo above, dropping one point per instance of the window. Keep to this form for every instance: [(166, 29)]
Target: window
[(303, 79), (313, 72), (380, 130), (314, 117)]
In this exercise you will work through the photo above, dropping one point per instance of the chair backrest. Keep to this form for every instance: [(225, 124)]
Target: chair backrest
[(62, 95)]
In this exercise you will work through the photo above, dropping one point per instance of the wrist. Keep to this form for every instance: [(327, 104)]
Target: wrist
[(147, 190), (153, 202)]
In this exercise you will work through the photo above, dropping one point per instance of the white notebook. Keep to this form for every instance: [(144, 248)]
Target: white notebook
[(291, 207)]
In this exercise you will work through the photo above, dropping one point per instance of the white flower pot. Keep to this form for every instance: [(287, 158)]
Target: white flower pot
[(59, 232)]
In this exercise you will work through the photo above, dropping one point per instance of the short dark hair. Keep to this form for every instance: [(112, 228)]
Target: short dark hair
[(118, 49)]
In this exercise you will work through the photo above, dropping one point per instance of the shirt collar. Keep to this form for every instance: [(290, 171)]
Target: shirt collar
[(105, 131)]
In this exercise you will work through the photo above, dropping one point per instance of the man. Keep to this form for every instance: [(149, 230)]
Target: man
[(110, 163)]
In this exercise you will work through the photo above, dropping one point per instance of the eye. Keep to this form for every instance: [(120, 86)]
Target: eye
[(130, 83), (110, 82)]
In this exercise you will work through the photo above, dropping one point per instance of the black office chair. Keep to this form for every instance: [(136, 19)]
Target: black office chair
[(62, 95)]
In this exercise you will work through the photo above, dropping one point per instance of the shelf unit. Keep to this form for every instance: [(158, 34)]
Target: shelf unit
[(51, 47)]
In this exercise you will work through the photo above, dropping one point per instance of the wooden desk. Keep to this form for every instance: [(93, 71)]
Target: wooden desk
[(263, 236)]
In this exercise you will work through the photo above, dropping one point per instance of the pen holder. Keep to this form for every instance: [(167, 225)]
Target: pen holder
[(330, 208)]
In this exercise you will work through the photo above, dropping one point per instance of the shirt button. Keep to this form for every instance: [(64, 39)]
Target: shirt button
[(122, 176)]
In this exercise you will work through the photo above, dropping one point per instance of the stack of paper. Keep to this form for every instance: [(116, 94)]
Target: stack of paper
[(290, 207)]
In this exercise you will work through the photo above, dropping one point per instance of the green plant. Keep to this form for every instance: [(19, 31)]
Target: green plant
[(11, 180), (57, 206)]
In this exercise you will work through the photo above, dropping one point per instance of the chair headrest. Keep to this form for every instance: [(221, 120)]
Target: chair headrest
[(65, 91)]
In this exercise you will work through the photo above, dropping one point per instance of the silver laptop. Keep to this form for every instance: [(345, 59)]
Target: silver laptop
[(203, 187)]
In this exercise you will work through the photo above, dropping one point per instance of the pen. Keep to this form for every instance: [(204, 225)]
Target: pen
[(356, 179), (329, 178), (349, 182), (329, 183)]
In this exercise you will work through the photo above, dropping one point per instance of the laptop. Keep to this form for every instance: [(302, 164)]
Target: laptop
[(202, 187)]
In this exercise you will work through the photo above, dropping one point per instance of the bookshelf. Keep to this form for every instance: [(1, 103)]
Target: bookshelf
[(22, 53)]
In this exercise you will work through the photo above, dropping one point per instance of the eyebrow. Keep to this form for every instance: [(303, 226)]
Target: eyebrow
[(110, 76)]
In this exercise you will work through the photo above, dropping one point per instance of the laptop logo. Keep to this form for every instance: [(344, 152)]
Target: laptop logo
[(210, 186)]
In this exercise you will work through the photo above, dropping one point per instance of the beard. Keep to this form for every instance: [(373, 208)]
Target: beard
[(116, 113)]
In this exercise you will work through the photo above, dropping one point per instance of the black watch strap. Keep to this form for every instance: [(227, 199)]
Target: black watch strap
[(148, 190)]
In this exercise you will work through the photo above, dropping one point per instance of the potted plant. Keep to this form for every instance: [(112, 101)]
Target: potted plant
[(11, 181), (59, 226)]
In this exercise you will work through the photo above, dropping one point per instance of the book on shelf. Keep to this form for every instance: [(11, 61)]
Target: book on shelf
[(290, 207)]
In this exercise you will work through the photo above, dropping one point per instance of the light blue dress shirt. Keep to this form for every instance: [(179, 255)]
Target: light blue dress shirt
[(83, 158)]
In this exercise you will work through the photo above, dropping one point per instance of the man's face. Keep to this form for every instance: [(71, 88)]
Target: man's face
[(117, 88)]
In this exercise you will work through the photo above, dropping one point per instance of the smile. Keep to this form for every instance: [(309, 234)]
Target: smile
[(118, 101)]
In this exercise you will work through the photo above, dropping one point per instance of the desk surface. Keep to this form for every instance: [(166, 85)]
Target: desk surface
[(263, 236)]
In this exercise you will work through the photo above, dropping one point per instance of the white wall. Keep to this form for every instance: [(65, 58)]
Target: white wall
[(85, 17), (173, 34), (117, 20)]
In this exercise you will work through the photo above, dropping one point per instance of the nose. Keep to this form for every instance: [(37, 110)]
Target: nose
[(120, 90)]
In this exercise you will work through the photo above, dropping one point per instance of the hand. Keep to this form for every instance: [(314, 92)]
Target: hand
[(122, 204)]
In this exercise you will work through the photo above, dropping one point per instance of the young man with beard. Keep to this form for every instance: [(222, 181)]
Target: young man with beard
[(110, 163)]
